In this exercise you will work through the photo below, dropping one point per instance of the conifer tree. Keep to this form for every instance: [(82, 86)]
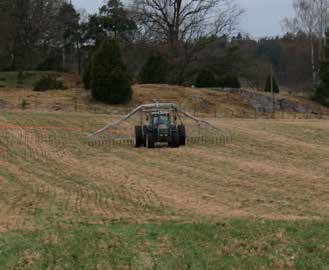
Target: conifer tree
[(154, 70), (205, 78), (110, 82), (86, 76), (322, 92), (276, 88), (230, 81)]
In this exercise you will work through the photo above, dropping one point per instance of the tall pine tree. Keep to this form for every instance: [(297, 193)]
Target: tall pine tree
[(268, 86), (110, 82), (322, 92)]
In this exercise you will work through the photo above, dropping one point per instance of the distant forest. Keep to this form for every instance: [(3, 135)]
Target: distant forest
[(53, 35)]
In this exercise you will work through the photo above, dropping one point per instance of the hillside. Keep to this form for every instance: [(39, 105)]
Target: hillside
[(198, 101), (258, 202)]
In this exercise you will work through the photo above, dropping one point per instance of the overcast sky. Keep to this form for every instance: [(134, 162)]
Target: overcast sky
[(262, 17)]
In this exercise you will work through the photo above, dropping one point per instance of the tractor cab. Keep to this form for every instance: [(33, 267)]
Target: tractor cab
[(160, 119)]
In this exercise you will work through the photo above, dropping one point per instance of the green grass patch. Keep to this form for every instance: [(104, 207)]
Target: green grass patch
[(236, 244)]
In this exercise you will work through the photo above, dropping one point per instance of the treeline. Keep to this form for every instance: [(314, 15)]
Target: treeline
[(174, 42), (37, 34)]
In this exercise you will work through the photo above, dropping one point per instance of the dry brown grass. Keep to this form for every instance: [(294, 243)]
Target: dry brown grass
[(199, 100), (273, 169)]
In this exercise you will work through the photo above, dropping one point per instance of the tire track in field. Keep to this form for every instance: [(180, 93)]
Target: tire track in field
[(102, 179), (34, 143), (101, 201), (177, 169), (168, 193)]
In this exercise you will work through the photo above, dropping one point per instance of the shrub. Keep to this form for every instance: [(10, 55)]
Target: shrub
[(52, 62), (48, 83), (154, 70), (268, 85), (229, 81), (86, 77), (20, 77), (206, 78), (110, 82), (24, 104), (321, 94)]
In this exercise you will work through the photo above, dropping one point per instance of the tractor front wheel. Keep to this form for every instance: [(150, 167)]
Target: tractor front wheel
[(182, 135), (174, 139), (150, 140)]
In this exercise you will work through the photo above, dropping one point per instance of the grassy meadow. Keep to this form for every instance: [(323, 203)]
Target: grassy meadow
[(258, 202)]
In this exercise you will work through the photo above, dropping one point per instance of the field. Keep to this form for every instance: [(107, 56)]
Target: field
[(258, 202)]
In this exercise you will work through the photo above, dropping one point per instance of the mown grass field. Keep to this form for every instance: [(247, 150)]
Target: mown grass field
[(258, 202)]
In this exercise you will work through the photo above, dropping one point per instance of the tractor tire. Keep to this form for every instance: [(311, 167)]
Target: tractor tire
[(138, 136), (174, 139), (182, 135), (150, 140), (145, 131)]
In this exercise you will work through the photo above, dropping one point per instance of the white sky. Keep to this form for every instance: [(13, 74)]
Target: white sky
[(262, 17)]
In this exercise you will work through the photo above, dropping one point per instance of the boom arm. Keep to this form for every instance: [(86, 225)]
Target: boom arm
[(154, 106)]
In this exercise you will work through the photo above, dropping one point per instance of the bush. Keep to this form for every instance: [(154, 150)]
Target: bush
[(206, 78), (154, 70), (110, 82), (20, 77), (48, 83), (321, 94), (229, 81), (52, 62), (86, 77), (268, 85), (24, 104), (322, 91)]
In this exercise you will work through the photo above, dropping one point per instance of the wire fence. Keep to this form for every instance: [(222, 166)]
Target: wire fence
[(55, 143), (244, 114)]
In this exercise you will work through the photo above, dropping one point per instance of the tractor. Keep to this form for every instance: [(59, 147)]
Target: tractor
[(161, 128)]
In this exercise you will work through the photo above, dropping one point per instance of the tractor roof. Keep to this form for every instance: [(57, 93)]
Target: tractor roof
[(160, 112)]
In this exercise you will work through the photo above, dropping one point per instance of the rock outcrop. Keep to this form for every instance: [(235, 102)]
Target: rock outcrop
[(263, 102)]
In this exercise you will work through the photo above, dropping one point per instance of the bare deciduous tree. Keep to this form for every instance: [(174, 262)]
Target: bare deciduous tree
[(184, 25), (180, 20), (311, 17)]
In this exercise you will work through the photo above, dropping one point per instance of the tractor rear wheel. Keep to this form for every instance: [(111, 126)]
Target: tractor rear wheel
[(145, 131), (174, 139), (150, 140), (182, 135), (138, 136)]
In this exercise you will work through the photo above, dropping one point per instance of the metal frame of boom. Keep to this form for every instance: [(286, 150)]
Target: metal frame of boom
[(150, 108)]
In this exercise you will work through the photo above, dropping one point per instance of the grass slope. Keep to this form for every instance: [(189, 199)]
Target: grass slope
[(14, 95), (259, 202)]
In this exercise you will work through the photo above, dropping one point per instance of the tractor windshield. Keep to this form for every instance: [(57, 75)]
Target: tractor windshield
[(162, 119)]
